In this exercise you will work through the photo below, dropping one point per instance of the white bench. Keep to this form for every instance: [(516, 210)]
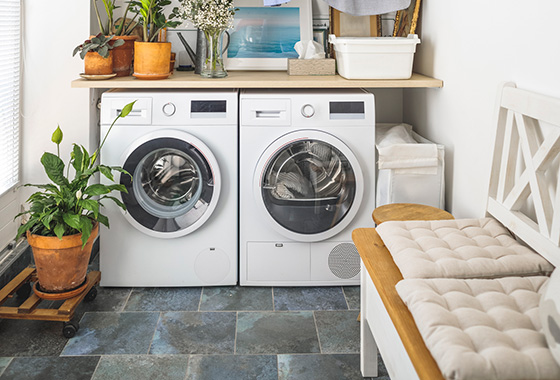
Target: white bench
[(525, 165)]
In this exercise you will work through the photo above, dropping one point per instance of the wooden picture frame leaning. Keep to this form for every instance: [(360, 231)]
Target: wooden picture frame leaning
[(406, 20), (345, 25)]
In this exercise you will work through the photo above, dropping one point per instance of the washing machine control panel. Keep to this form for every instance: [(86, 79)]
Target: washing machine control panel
[(307, 111), (168, 109)]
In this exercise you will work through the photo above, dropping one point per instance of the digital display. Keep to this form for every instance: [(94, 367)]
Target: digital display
[(347, 107), (208, 106)]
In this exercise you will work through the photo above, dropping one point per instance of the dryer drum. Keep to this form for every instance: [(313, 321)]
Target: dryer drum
[(308, 186)]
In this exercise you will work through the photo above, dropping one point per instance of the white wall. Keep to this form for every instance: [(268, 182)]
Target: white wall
[(473, 47), (51, 31)]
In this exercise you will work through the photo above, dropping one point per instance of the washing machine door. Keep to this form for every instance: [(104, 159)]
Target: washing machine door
[(308, 185), (175, 183)]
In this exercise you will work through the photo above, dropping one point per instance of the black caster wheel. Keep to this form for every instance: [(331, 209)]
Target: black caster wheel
[(90, 296), (24, 291), (70, 329)]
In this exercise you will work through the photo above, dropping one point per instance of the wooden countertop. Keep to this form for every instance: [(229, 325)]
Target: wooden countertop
[(258, 79)]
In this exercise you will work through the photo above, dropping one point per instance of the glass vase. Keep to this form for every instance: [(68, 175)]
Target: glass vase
[(214, 64)]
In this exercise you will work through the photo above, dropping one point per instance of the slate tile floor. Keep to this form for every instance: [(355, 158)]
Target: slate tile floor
[(225, 333)]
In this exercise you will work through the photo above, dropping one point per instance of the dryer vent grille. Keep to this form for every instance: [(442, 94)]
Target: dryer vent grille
[(344, 261)]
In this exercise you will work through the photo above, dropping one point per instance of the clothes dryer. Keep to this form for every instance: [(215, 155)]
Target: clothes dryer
[(181, 223), (307, 179)]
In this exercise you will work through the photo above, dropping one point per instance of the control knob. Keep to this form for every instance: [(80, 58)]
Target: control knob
[(307, 111), (168, 109)]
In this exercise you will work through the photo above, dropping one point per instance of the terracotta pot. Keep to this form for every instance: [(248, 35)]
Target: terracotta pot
[(151, 60), (94, 64), (61, 264), (122, 55)]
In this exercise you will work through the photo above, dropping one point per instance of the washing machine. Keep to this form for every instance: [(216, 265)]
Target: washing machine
[(307, 179), (181, 223)]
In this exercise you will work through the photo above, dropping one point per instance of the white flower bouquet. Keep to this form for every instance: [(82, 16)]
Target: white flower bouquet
[(208, 14)]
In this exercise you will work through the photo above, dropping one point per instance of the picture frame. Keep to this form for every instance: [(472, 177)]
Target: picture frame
[(263, 38), (406, 20)]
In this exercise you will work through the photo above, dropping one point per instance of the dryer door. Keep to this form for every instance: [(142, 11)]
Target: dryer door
[(308, 185), (175, 183)]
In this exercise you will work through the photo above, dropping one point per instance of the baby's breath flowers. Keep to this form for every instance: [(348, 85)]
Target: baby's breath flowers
[(208, 14)]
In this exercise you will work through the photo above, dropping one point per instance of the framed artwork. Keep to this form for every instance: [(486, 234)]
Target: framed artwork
[(263, 38), (406, 20)]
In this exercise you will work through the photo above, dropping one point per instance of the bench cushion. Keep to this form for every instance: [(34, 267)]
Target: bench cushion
[(482, 328), (461, 248)]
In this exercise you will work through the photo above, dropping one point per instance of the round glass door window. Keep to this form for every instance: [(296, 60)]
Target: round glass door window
[(171, 186), (308, 186)]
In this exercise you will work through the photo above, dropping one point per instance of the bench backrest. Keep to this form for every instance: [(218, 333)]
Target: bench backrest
[(524, 193)]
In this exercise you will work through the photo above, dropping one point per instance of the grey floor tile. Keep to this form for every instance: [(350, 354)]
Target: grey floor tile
[(184, 332), (51, 368), (274, 333), (164, 299), (4, 363), (232, 367), (142, 367), (352, 294), (339, 331), (31, 338), (107, 333), (302, 298), (236, 298), (324, 367)]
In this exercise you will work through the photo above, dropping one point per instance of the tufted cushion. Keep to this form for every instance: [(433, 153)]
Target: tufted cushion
[(461, 248), (549, 311), (482, 328)]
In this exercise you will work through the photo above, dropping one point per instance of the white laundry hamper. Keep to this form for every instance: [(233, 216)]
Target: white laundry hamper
[(411, 168)]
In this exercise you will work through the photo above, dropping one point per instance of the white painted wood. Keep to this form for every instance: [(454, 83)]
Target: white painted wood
[(368, 349), (539, 149), (396, 359)]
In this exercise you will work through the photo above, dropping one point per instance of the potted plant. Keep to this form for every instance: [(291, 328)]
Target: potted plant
[(97, 54), (121, 29), (64, 216), (151, 58)]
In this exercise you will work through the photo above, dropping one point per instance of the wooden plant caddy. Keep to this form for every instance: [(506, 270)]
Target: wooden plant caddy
[(20, 287)]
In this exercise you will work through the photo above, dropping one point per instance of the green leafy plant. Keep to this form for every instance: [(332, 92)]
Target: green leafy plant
[(152, 17), (66, 207), (110, 27), (99, 44)]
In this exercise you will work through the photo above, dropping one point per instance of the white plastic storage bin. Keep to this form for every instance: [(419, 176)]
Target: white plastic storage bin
[(411, 168), (375, 57)]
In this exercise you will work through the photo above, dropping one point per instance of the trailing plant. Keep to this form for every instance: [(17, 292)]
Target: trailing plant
[(99, 44), (122, 29), (152, 17), (66, 207)]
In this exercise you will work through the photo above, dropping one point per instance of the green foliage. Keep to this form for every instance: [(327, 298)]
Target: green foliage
[(123, 29), (99, 44), (67, 207), (152, 17)]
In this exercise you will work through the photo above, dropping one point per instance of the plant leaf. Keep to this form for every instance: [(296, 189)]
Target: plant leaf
[(91, 205), (97, 189), (86, 227), (116, 200), (54, 167), (73, 220), (103, 220), (59, 230), (106, 171), (77, 159)]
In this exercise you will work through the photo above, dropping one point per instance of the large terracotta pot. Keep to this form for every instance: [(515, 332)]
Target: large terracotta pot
[(122, 55), (94, 64), (151, 60), (61, 264)]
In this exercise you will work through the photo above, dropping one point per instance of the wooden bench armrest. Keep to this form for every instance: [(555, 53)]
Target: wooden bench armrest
[(385, 274)]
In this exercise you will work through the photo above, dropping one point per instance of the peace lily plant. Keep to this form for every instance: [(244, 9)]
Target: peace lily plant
[(67, 207)]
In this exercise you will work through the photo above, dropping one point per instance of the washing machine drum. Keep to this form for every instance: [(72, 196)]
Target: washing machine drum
[(173, 188)]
